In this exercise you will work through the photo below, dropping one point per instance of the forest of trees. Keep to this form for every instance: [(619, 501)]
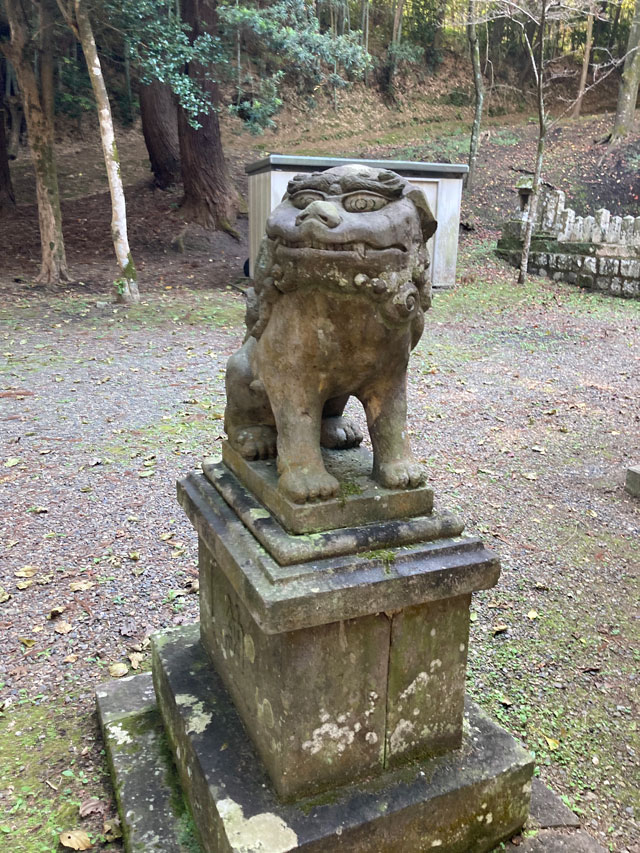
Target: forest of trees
[(178, 63)]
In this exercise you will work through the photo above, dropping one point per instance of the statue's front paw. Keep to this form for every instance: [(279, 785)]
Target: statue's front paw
[(402, 474), (339, 433), (303, 485), (255, 442)]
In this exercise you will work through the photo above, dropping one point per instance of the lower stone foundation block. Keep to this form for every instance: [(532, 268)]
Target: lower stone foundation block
[(632, 483), (466, 801)]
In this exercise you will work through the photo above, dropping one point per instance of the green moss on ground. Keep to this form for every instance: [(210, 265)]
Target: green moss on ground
[(41, 775)]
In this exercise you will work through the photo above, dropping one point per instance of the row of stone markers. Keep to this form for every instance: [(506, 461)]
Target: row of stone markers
[(599, 252)]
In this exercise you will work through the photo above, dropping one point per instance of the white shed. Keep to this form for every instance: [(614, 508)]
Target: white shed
[(440, 182)]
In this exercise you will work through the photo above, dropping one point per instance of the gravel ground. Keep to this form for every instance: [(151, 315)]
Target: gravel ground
[(525, 407)]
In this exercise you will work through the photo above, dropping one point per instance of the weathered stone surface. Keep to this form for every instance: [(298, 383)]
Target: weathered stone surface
[(547, 809), (464, 802), (554, 842), (360, 499), (341, 287), (608, 266), (331, 731), (397, 676), (287, 549), (427, 664), (630, 268), (289, 597), (632, 482), (154, 816)]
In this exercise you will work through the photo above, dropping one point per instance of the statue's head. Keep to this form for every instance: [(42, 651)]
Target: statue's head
[(350, 224)]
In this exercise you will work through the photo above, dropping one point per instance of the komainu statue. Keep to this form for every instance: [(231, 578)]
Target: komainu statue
[(340, 290)]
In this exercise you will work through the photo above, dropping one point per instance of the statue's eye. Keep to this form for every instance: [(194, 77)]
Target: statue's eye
[(364, 202), (303, 199)]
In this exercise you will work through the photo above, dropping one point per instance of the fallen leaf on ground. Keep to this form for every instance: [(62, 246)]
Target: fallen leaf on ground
[(117, 670), (530, 475), (92, 806), (70, 659), (24, 584), (136, 659), (111, 829), (4, 595), (80, 586), (44, 580), (63, 628), (12, 461), (26, 572), (532, 614), (552, 743), (76, 839), (499, 629), (56, 611), (27, 642)]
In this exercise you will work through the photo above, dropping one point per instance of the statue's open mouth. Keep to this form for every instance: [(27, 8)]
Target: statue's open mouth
[(360, 248)]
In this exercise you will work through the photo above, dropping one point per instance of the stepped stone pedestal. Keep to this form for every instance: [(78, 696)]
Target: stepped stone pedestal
[(319, 704)]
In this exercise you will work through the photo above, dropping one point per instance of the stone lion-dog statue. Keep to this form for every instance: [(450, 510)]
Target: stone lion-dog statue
[(338, 303)]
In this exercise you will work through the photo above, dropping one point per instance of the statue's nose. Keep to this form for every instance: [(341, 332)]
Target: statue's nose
[(323, 211)]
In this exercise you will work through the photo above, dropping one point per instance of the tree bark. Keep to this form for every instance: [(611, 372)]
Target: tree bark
[(160, 128), (127, 285), (478, 82), (47, 74), (577, 107), (210, 199), (40, 131), (628, 91), (7, 195), (538, 69)]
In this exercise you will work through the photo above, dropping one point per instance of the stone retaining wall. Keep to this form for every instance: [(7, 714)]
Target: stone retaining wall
[(600, 252)]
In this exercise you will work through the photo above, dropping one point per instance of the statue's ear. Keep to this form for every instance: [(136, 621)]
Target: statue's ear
[(428, 222)]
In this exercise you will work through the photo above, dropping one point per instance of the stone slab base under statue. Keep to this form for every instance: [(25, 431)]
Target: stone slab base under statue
[(319, 704), (157, 819)]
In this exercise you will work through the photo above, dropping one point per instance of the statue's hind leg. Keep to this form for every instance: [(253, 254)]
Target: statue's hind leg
[(337, 432), (248, 419)]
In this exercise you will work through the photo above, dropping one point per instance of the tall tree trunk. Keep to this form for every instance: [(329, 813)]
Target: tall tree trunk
[(7, 196), (16, 113), (397, 23), (478, 82), (47, 75), (160, 128), (577, 107), (40, 131), (127, 284), (538, 68), (210, 199), (628, 91)]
